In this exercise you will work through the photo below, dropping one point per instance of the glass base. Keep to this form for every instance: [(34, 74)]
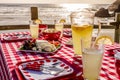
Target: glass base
[(77, 56)]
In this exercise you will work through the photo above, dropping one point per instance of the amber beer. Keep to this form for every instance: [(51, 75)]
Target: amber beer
[(81, 33), (82, 27)]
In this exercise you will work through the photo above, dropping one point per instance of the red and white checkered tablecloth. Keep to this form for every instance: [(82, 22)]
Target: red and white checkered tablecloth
[(108, 71)]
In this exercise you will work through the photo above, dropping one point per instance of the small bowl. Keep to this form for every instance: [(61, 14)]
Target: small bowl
[(51, 34)]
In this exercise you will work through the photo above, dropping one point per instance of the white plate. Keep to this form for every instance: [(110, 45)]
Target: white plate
[(42, 75), (30, 51)]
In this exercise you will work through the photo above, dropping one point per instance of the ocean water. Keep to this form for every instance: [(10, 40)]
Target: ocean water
[(19, 14)]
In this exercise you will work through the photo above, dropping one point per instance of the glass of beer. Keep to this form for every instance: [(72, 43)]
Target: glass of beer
[(82, 27), (34, 29), (59, 27), (92, 60)]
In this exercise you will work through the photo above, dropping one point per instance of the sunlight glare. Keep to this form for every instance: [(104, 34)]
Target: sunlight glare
[(72, 7)]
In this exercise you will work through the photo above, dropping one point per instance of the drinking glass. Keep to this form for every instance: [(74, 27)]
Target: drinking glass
[(92, 60), (59, 27), (82, 27), (34, 29)]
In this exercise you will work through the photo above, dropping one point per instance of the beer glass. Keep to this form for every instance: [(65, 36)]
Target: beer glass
[(59, 27), (34, 29), (82, 27)]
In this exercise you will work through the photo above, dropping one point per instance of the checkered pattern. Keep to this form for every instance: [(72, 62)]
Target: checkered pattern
[(33, 66), (13, 35), (108, 71), (117, 63)]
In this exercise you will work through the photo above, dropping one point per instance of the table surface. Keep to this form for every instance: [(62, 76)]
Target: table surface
[(12, 57)]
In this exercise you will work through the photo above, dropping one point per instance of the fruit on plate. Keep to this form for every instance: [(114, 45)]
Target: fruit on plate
[(56, 43), (45, 46), (27, 45), (104, 40), (39, 45)]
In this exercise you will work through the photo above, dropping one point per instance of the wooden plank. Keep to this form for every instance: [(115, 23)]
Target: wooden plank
[(12, 27), (9, 27), (34, 13)]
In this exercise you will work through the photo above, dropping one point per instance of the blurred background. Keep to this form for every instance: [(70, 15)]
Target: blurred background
[(19, 14)]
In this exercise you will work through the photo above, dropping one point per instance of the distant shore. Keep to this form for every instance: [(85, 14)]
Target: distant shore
[(19, 14)]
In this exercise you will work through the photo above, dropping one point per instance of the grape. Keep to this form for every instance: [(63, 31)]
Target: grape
[(28, 45)]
